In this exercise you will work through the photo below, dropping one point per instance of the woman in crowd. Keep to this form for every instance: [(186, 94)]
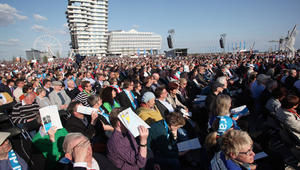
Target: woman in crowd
[(96, 102), (236, 152), (41, 99), (289, 117), (108, 96), (172, 96)]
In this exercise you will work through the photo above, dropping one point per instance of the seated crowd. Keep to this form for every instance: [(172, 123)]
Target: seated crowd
[(180, 99)]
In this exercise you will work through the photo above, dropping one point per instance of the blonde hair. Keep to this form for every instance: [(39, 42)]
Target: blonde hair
[(211, 140), (221, 105), (233, 141), (182, 80)]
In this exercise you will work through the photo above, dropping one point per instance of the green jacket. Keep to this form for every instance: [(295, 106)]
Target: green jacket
[(51, 151), (108, 107)]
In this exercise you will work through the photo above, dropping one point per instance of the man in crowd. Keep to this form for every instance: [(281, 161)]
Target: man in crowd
[(25, 112), (155, 81), (68, 77), (79, 123), (162, 104), (8, 158), (78, 150), (47, 86), (126, 97), (59, 97), (72, 91), (99, 83), (87, 91), (216, 89), (19, 90)]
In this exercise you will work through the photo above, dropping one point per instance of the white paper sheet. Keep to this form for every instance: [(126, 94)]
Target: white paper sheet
[(185, 113), (132, 121), (50, 114), (189, 145), (86, 110)]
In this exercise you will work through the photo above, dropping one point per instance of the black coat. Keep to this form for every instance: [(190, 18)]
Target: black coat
[(162, 109), (73, 93), (75, 124), (124, 100)]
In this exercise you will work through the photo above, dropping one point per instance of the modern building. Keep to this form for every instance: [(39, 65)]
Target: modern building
[(133, 43), (35, 54), (87, 21)]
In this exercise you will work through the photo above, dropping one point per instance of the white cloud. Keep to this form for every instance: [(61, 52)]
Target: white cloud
[(8, 15), (38, 28), (10, 42), (39, 17)]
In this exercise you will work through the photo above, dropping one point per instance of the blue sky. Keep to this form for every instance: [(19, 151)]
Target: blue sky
[(197, 23)]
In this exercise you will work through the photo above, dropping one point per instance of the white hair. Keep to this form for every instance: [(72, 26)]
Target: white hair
[(69, 138), (222, 80)]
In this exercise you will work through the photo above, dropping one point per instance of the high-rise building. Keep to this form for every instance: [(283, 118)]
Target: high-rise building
[(131, 42), (87, 21)]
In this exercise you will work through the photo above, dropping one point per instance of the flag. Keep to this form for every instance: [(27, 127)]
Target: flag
[(244, 45)]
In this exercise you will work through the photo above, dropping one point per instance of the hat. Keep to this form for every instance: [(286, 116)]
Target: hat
[(106, 83), (147, 96), (3, 136), (56, 83)]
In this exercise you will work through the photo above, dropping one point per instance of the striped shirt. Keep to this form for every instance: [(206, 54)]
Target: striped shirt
[(82, 98), (21, 113)]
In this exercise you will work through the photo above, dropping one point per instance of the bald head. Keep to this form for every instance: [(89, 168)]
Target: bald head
[(155, 76)]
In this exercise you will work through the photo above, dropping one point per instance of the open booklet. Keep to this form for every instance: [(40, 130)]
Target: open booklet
[(188, 145), (86, 110), (50, 117), (132, 121), (240, 111)]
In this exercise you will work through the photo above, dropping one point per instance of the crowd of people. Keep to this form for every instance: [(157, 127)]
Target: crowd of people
[(180, 99)]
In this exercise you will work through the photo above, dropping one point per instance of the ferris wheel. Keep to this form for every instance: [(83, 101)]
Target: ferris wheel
[(49, 44)]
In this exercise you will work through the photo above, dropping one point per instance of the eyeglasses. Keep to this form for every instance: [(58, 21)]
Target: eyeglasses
[(249, 152)]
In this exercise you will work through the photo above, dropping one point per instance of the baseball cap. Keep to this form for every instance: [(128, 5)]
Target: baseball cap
[(3, 136)]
